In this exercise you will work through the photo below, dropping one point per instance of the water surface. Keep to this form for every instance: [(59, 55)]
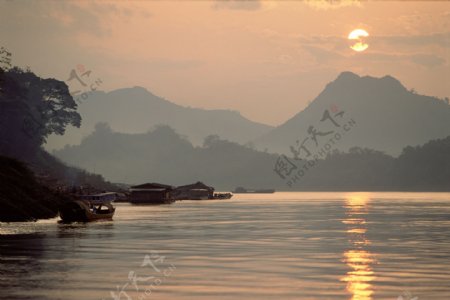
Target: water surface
[(263, 246)]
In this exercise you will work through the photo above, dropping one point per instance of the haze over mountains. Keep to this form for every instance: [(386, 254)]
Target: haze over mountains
[(163, 156), (385, 117), (136, 110), (388, 116)]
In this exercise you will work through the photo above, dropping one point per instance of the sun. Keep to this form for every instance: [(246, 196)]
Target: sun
[(357, 35)]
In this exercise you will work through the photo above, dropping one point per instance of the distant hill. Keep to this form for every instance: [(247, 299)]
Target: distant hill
[(163, 156), (421, 168), (136, 110), (388, 117), (424, 167)]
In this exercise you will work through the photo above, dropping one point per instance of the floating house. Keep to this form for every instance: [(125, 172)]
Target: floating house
[(195, 191), (151, 193)]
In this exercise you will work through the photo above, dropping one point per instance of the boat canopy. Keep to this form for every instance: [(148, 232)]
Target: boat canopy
[(100, 198)]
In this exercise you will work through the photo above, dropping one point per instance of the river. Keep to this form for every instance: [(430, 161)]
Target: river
[(298, 245)]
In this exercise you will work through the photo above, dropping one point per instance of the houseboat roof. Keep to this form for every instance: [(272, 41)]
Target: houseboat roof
[(101, 197), (152, 186), (195, 186), (148, 190)]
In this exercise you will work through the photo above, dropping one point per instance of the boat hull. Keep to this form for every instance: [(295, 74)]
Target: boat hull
[(222, 196), (152, 202), (262, 191), (79, 211)]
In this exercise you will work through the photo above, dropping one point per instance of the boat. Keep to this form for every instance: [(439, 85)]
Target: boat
[(88, 208), (195, 191), (151, 193), (241, 190), (222, 196), (192, 194)]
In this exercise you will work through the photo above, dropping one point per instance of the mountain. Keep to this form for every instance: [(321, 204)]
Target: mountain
[(136, 110), (381, 112)]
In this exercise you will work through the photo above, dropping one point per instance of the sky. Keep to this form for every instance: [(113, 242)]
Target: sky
[(266, 59)]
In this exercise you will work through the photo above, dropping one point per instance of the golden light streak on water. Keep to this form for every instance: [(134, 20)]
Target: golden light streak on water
[(358, 259)]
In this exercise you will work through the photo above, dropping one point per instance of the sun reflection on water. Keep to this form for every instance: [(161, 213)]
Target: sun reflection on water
[(358, 258)]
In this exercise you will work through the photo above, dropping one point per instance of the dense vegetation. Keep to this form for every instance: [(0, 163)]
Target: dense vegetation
[(31, 109), (22, 197), (424, 167), (421, 168)]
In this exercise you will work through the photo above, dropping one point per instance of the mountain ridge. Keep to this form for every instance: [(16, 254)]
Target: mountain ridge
[(389, 116), (137, 110)]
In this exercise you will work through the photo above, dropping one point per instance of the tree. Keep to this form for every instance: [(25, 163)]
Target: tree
[(5, 59), (211, 140), (5, 64), (31, 108)]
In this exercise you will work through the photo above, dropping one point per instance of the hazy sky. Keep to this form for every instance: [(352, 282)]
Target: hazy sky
[(266, 59)]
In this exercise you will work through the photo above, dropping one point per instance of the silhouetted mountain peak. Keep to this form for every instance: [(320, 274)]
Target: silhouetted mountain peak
[(393, 82), (347, 76), (378, 105), (349, 83), (135, 91)]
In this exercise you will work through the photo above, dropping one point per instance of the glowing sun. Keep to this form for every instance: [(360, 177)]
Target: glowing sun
[(357, 36)]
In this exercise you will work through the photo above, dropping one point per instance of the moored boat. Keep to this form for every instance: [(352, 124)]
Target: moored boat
[(222, 196), (88, 208), (195, 191), (241, 190), (151, 193)]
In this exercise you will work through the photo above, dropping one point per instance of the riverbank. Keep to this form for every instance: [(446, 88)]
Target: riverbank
[(22, 197)]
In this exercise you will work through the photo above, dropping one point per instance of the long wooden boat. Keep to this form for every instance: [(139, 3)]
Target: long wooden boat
[(88, 208), (222, 196), (241, 190)]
